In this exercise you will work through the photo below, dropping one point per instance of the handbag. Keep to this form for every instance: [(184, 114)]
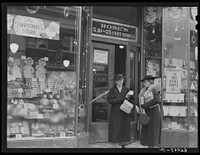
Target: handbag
[(143, 119), (126, 106)]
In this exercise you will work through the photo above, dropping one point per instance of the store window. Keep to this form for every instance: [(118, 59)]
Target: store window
[(180, 69), (43, 96)]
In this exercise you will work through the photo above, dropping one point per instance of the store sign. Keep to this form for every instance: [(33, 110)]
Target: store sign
[(32, 27), (112, 30), (173, 81)]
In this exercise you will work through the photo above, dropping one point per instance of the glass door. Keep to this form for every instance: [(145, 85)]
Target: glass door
[(102, 81)]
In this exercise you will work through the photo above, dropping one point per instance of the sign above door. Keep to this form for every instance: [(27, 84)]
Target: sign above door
[(113, 30)]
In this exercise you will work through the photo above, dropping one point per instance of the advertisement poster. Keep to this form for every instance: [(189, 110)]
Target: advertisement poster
[(153, 67), (173, 81), (32, 27)]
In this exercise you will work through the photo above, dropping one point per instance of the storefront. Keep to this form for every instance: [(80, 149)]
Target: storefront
[(46, 105), (61, 62)]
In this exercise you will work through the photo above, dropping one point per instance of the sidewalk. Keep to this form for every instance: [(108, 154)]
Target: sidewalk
[(135, 144)]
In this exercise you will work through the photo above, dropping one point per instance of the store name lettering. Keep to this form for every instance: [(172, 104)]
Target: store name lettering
[(29, 28), (112, 27), (114, 30)]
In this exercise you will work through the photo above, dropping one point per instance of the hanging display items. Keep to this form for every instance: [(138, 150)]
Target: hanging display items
[(173, 81), (152, 16), (176, 33), (175, 12)]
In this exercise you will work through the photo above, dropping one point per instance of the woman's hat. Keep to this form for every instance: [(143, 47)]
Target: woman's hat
[(148, 77), (118, 77)]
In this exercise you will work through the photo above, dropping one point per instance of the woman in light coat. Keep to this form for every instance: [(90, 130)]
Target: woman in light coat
[(151, 133)]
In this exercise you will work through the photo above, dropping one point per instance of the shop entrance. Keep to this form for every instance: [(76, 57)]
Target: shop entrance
[(107, 60)]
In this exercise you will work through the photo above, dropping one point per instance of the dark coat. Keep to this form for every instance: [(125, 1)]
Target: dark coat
[(119, 124), (151, 133)]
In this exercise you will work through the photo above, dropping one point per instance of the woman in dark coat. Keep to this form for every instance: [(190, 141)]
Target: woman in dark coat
[(119, 124), (151, 133)]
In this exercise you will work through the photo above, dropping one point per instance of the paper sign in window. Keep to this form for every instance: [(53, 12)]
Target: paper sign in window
[(101, 56), (173, 81)]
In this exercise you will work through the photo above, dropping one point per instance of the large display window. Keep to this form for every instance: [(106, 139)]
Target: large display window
[(43, 95), (180, 67)]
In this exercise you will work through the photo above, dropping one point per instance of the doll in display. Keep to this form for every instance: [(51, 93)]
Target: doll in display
[(16, 70), (40, 70), (41, 74), (28, 70)]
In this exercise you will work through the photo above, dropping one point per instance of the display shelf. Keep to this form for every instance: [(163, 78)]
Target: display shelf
[(174, 116), (170, 129), (50, 50), (175, 103)]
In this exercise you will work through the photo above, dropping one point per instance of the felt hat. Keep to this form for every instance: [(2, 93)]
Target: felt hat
[(118, 77), (148, 77)]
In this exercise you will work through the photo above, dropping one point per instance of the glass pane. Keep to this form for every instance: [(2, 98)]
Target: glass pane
[(100, 86), (42, 71), (175, 90)]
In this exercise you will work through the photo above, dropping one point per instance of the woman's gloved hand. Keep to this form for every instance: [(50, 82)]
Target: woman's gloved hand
[(137, 109)]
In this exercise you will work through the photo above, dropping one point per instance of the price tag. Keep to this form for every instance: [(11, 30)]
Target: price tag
[(46, 58), (23, 57), (11, 58), (62, 134), (18, 135)]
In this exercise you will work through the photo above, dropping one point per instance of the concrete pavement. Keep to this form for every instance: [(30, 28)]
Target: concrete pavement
[(135, 144)]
